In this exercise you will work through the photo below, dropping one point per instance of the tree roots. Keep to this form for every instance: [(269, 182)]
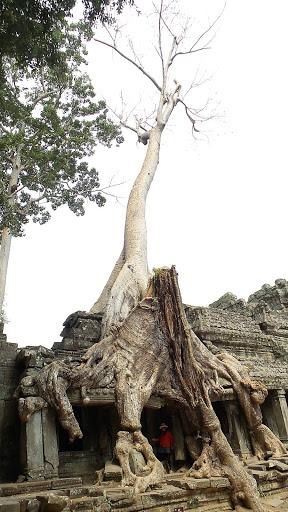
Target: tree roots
[(154, 351), (125, 444)]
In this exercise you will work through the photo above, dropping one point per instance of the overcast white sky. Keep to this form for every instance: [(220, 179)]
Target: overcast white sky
[(217, 207)]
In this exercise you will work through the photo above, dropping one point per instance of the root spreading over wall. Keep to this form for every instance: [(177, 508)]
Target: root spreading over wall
[(154, 351)]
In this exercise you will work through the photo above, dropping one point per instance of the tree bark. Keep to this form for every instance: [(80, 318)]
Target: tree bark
[(129, 279), (4, 259), (6, 237)]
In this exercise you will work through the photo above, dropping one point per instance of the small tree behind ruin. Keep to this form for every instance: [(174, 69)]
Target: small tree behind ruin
[(147, 346)]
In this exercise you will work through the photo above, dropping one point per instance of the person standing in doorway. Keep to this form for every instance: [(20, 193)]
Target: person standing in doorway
[(166, 445)]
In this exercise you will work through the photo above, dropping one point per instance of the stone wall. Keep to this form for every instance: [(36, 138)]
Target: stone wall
[(256, 332), (9, 422)]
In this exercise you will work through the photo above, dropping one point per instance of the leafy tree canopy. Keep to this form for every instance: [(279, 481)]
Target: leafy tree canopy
[(28, 29), (49, 123)]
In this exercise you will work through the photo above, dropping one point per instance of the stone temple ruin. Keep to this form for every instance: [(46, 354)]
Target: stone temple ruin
[(41, 470)]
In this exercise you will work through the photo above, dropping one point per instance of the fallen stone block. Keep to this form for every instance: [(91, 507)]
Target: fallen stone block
[(219, 482), (275, 502), (281, 466), (10, 506), (257, 467), (260, 476), (9, 489), (275, 475), (52, 503), (177, 482), (112, 472), (196, 483), (270, 464), (94, 490)]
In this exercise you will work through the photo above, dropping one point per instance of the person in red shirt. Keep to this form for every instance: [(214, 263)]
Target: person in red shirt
[(166, 445)]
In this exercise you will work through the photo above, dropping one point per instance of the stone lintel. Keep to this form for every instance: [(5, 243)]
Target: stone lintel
[(104, 397), (95, 396), (243, 339), (226, 394)]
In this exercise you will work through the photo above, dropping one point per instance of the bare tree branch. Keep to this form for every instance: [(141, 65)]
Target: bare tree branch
[(160, 38), (193, 48), (113, 47)]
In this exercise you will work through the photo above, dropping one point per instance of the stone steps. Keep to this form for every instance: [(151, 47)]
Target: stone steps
[(175, 492), (34, 486), (270, 475)]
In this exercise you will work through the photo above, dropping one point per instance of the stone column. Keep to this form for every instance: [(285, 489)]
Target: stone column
[(238, 435), (33, 453), (180, 451), (279, 410), (50, 444)]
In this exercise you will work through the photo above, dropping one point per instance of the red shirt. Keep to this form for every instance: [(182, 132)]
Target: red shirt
[(165, 439)]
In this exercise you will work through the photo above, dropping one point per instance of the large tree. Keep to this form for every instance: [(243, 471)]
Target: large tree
[(49, 124), (147, 346)]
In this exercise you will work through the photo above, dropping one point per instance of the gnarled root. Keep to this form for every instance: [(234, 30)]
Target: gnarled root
[(26, 406), (264, 441), (128, 441), (156, 467), (207, 464), (218, 459), (52, 383), (124, 446)]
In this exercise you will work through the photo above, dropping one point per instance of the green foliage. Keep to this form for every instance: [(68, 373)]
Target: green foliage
[(28, 29), (158, 271), (3, 317), (49, 123), (97, 9), (107, 501), (194, 501)]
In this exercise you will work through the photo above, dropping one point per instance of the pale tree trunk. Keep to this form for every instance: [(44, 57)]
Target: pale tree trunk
[(4, 258), (129, 279), (6, 232)]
